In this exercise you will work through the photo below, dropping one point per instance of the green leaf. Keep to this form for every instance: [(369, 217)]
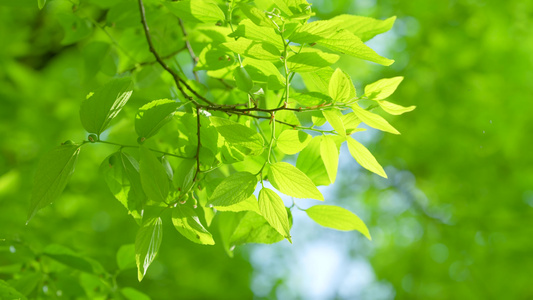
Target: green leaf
[(318, 81), (310, 162), (132, 294), (364, 157), (154, 178), (373, 120), (382, 88), (233, 189), (147, 244), (41, 4), (264, 71), (184, 174), (9, 292), (310, 99), (254, 49), (350, 122), (313, 32), (310, 60), (199, 11), (257, 16), (53, 173), (250, 30), (334, 118), (73, 259), (121, 172), (245, 227), (364, 27), (97, 111), (339, 86), (273, 209), (239, 135), (250, 204), (126, 257), (345, 42), (187, 223), (154, 115), (242, 79), (395, 109), (330, 156), (292, 182), (337, 218), (292, 141)]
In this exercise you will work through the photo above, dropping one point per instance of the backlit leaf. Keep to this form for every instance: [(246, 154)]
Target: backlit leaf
[(233, 189), (382, 88), (364, 157), (239, 135), (337, 218), (147, 244), (373, 120), (273, 210), (200, 11), (330, 156), (395, 109), (292, 141), (97, 111), (187, 223), (292, 182), (153, 115)]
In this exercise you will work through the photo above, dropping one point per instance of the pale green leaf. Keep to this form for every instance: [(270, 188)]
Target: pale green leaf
[(364, 27), (310, 162), (395, 109), (330, 156), (382, 88), (318, 81), (339, 86), (292, 141), (373, 120), (273, 210), (334, 118), (154, 178), (310, 60), (154, 115), (53, 172), (250, 204), (337, 218), (265, 72), (293, 182), (345, 42), (254, 49), (313, 32), (147, 244), (311, 99), (233, 189), (257, 16), (200, 11), (364, 157), (239, 135), (41, 3), (97, 111), (187, 223)]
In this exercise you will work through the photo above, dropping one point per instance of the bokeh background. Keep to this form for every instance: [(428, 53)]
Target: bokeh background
[(453, 221)]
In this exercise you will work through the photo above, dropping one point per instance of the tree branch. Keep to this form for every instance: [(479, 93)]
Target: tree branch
[(191, 52)]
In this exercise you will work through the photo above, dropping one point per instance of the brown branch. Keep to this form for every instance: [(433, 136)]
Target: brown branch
[(191, 52), (261, 117), (179, 81)]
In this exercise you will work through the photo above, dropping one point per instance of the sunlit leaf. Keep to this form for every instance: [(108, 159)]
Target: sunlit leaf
[(147, 244), (273, 209), (186, 222), (364, 157), (154, 115), (292, 182), (233, 189), (337, 218), (382, 88), (154, 178)]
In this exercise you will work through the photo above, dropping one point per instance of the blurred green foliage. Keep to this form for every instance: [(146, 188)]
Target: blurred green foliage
[(454, 221)]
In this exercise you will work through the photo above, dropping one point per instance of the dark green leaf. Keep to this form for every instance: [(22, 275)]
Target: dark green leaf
[(153, 115), (154, 178), (147, 244), (73, 259), (233, 189), (53, 172), (97, 111)]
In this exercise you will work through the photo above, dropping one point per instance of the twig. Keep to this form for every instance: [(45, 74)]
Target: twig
[(148, 63), (191, 52)]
